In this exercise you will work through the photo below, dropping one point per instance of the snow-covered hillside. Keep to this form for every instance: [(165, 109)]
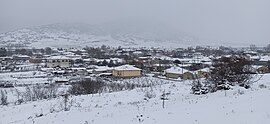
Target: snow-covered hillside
[(80, 35), (144, 105)]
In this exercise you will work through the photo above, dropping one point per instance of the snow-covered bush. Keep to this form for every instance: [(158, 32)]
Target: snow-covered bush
[(200, 87), (262, 86), (149, 94), (88, 86), (36, 92)]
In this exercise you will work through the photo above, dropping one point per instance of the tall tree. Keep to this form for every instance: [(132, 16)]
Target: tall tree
[(48, 50), (229, 71)]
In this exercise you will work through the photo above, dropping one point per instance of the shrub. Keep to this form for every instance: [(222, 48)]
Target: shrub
[(200, 87), (88, 86), (37, 92), (150, 94)]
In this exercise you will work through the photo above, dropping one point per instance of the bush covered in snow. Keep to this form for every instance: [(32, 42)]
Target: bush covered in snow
[(88, 86), (36, 92), (98, 85)]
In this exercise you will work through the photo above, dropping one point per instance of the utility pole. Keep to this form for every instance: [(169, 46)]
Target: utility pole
[(163, 98)]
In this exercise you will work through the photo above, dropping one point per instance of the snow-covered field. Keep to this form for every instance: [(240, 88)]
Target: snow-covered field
[(28, 77), (144, 105)]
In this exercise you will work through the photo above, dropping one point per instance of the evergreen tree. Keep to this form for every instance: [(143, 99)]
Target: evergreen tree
[(3, 52), (229, 71)]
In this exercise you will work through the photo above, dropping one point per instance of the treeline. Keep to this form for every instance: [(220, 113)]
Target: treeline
[(5, 52)]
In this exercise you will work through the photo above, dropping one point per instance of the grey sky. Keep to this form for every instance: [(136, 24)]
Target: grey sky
[(232, 20)]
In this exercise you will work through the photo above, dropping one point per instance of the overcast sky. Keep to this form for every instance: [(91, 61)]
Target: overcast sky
[(232, 20)]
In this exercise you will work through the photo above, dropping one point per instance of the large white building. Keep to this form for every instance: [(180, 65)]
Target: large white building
[(58, 61)]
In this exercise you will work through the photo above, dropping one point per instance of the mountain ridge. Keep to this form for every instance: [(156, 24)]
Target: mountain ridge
[(80, 35)]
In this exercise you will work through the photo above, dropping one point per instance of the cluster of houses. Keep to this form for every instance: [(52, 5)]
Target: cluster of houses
[(178, 72), (169, 70), (63, 62), (125, 63)]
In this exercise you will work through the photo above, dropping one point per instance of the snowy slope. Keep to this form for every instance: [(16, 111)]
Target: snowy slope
[(238, 106), (80, 35)]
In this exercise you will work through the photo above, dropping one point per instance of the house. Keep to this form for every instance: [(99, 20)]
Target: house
[(203, 73), (126, 71), (264, 60), (178, 72), (58, 61)]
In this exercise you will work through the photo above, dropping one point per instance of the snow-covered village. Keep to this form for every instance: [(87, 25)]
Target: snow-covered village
[(134, 85), (134, 62)]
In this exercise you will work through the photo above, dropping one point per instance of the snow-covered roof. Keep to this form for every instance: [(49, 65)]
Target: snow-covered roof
[(59, 71), (251, 52), (61, 79), (58, 57), (104, 74), (265, 58), (127, 67), (68, 53), (47, 69), (194, 60), (102, 68), (184, 65), (176, 70), (79, 68), (162, 64), (257, 66), (255, 57), (108, 60), (21, 56), (205, 70)]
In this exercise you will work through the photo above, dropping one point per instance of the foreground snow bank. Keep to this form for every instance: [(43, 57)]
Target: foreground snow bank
[(143, 105)]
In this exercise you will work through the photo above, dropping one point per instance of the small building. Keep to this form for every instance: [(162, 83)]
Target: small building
[(178, 72), (58, 61), (126, 71), (203, 73), (264, 60)]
